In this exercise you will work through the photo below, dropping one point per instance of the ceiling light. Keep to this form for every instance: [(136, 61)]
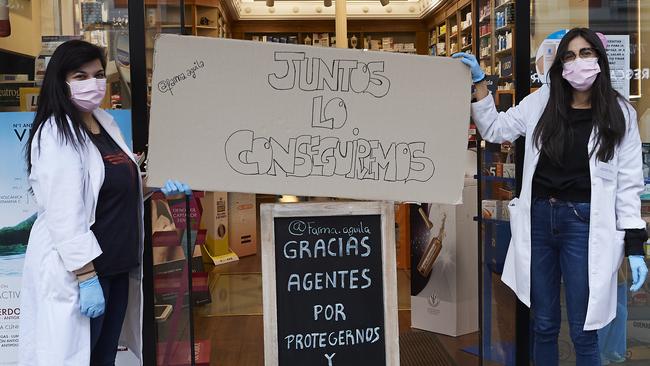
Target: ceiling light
[(327, 3), (384, 2)]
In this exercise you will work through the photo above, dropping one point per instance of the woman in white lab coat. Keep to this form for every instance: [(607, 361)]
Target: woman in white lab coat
[(82, 272), (579, 211)]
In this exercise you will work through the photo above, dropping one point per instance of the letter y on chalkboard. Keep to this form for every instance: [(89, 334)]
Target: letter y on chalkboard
[(329, 358)]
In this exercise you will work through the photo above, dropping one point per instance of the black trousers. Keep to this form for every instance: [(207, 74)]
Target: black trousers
[(105, 330)]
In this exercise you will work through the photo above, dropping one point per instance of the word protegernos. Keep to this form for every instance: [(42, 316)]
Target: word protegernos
[(341, 338), (307, 155)]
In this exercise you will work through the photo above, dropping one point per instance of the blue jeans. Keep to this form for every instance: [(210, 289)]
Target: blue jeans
[(559, 247), (105, 330)]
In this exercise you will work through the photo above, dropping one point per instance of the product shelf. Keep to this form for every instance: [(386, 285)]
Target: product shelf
[(504, 52), (502, 6), (492, 178), (505, 28)]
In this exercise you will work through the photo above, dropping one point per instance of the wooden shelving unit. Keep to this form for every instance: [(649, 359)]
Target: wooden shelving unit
[(410, 32), (497, 41), (401, 42), (452, 30), (205, 18)]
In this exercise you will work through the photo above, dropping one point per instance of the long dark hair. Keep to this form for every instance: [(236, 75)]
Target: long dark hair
[(54, 99), (553, 127)]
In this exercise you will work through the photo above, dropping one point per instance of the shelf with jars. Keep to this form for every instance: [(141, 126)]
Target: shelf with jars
[(453, 30), (401, 42)]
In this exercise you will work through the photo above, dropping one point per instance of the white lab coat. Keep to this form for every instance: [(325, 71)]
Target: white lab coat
[(66, 185), (615, 202)]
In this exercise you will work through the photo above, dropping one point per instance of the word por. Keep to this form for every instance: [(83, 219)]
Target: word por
[(313, 73), (167, 85), (333, 248), (341, 338), (348, 279), (306, 155), (335, 312)]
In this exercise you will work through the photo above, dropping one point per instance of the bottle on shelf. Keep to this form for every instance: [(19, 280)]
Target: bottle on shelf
[(432, 250)]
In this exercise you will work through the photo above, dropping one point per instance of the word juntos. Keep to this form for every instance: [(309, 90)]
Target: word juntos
[(313, 73)]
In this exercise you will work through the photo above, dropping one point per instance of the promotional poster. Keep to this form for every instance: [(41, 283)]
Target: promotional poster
[(444, 290), (17, 214)]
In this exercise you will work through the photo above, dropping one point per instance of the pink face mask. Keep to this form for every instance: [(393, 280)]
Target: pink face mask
[(87, 94), (581, 73)]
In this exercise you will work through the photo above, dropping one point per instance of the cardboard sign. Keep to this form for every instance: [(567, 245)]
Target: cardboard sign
[(330, 294), (244, 116)]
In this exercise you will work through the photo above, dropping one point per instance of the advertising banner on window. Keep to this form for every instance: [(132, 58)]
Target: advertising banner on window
[(17, 215)]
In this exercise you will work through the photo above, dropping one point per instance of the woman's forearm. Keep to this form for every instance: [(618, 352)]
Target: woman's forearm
[(85, 272), (481, 90)]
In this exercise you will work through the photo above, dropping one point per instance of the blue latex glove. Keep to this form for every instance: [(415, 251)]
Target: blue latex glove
[(470, 60), (91, 298), (639, 271), (174, 187)]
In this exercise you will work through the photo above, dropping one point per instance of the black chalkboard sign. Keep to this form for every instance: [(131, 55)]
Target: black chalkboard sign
[(329, 295)]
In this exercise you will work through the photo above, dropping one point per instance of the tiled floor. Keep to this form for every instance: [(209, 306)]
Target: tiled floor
[(234, 322)]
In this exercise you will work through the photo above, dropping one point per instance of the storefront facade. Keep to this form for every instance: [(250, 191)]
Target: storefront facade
[(514, 41)]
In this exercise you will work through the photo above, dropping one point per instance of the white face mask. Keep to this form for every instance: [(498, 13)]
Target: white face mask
[(87, 94), (581, 73)]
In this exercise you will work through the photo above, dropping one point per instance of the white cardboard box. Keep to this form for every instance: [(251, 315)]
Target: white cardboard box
[(448, 304), (242, 223), (215, 220)]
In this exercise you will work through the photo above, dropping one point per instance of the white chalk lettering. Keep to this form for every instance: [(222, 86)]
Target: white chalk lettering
[(313, 281), (334, 312), (332, 247), (339, 338)]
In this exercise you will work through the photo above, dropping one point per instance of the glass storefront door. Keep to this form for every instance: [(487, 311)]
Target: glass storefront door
[(498, 183), (626, 25)]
